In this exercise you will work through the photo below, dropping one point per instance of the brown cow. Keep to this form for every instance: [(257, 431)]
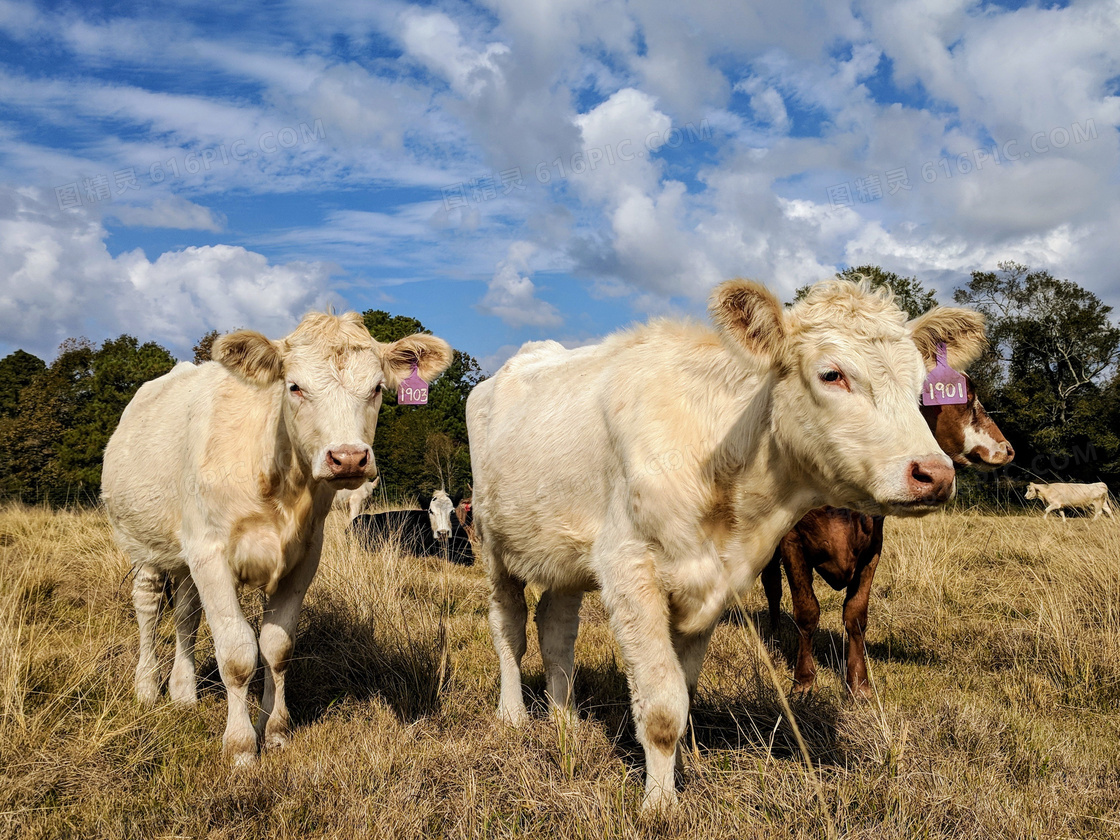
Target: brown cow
[(843, 546)]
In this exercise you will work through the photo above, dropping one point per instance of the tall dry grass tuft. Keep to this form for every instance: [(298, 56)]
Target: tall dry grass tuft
[(993, 643)]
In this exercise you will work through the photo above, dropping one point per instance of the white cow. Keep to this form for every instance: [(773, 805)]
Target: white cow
[(663, 466), (222, 476), (354, 500), (1060, 496)]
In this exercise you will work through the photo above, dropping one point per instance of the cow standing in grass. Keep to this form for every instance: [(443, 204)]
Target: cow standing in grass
[(1060, 496), (663, 465), (843, 546), (222, 475)]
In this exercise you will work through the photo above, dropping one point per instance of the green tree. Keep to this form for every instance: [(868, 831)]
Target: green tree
[(51, 450), (205, 346), (17, 370)]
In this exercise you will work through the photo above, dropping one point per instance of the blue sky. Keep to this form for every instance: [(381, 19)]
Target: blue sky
[(515, 169)]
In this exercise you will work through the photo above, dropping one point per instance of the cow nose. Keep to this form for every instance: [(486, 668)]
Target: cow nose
[(348, 461), (442, 534), (1009, 450), (930, 481)]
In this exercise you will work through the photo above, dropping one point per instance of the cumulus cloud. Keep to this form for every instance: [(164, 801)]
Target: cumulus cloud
[(58, 279), (511, 295)]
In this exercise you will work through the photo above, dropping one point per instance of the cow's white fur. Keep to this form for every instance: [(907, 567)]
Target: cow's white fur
[(663, 465), (1060, 496), (217, 475), (354, 500)]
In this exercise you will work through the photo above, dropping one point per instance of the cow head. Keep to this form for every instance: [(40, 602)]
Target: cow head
[(439, 506), (329, 375), (967, 434), (847, 371), (1032, 491)]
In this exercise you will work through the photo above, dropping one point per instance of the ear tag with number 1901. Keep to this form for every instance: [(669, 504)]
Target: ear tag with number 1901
[(412, 391), (943, 385)]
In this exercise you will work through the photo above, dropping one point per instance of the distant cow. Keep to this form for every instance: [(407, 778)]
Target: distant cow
[(354, 500), (1060, 496), (843, 546), (663, 466), (433, 530), (222, 475)]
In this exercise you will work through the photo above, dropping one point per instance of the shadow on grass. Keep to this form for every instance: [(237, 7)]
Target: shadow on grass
[(341, 656)]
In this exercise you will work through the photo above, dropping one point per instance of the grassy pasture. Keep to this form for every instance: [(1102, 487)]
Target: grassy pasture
[(994, 647)]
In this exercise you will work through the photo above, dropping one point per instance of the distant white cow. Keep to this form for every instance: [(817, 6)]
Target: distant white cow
[(354, 500), (664, 465), (1060, 496), (222, 476)]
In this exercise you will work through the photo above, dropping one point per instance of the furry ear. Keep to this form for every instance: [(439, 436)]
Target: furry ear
[(424, 500), (962, 330), (249, 355), (431, 355), (458, 497), (749, 315)]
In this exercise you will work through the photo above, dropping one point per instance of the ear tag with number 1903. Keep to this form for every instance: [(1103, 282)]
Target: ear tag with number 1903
[(943, 385), (412, 391)]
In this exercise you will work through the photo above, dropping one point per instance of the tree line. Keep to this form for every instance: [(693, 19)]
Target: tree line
[(55, 419), (1049, 377)]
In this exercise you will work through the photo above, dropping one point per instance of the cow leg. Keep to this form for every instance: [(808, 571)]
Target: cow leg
[(508, 614), (147, 596), (188, 611), (557, 626), (278, 637), (236, 649), (658, 687), (855, 615), (772, 586), (690, 653), (806, 614)]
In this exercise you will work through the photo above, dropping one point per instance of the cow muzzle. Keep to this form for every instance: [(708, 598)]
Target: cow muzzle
[(348, 462), (929, 482)]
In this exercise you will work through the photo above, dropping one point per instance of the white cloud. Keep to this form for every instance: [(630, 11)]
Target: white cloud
[(168, 212), (58, 280), (511, 295)]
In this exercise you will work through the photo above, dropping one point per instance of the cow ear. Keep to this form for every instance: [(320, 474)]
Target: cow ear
[(458, 497), (249, 355), (749, 315), (962, 330), (424, 500), (431, 356)]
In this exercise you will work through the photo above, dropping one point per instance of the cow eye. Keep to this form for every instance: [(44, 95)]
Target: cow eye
[(831, 376), (295, 389)]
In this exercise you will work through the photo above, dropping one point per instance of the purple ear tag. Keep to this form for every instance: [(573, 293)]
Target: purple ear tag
[(412, 391), (944, 386)]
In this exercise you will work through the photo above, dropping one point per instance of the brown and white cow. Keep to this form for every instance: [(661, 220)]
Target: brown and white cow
[(222, 476), (1060, 496), (843, 546), (663, 465)]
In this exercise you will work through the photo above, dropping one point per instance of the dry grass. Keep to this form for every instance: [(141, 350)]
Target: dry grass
[(994, 644)]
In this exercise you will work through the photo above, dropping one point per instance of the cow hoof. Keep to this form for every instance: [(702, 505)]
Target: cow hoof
[(860, 693), (147, 693), (802, 689), (275, 741), (243, 760), (658, 801), (514, 716)]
